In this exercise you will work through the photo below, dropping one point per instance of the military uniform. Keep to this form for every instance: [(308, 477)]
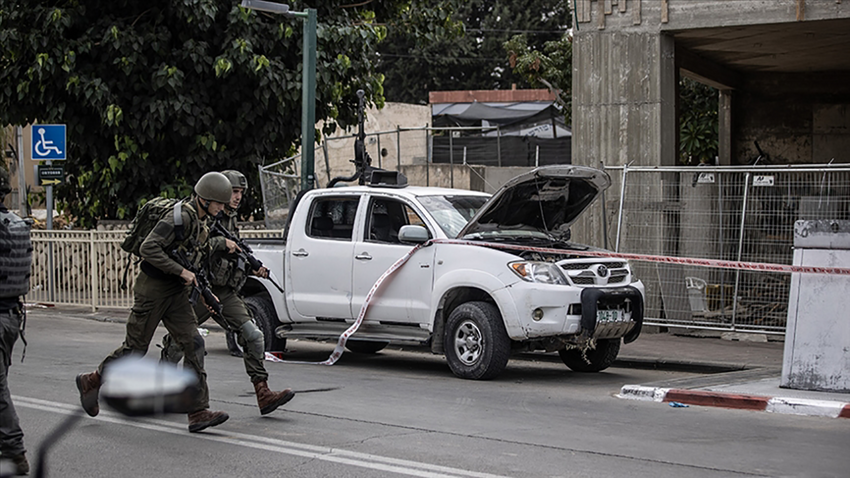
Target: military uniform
[(15, 265), (228, 273), (160, 295)]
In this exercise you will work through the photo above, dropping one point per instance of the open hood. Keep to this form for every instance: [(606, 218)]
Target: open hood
[(547, 199)]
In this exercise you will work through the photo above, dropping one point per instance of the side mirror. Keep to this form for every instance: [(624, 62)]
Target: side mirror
[(414, 234), (137, 386)]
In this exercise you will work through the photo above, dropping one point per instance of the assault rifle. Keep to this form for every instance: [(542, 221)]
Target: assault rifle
[(202, 284), (246, 252)]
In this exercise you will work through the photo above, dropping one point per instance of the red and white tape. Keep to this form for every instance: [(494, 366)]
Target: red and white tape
[(340, 345), (689, 261)]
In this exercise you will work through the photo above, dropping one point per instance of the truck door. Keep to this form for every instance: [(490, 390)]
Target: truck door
[(406, 295), (320, 259)]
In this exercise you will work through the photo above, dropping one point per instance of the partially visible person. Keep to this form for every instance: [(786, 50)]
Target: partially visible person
[(15, 264), (229, 271), (161, 294)]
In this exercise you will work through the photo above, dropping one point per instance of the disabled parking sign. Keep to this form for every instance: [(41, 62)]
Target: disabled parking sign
[(48, 142)]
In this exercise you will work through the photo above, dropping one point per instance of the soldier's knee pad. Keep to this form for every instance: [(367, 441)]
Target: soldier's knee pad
[(254, 340)]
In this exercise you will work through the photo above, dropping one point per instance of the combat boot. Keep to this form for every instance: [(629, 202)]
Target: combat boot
[(89, 386), (22, 466), (267, 400), (204, 419)]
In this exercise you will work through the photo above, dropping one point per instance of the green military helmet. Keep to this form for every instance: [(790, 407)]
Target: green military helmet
[(214, 186), (5, 182), (237, 179)]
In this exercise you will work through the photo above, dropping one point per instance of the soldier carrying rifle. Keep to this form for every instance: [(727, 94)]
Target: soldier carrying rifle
[(162, 289), (229, 266)]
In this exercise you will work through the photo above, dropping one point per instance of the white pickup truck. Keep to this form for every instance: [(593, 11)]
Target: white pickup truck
[(523, 289)]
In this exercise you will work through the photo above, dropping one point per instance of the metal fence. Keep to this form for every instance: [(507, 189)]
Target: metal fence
[(87, 268), (725, 213)]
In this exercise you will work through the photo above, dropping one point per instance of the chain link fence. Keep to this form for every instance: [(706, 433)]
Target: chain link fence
[(725, 213)]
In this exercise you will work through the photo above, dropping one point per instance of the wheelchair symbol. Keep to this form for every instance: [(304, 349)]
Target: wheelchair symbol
[(44, 147)]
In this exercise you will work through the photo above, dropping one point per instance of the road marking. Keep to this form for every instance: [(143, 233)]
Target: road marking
[(333, 455)]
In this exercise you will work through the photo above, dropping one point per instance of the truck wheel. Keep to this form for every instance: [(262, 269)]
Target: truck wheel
[(264, 315), (476, 343), (600, 358), (365, 346)]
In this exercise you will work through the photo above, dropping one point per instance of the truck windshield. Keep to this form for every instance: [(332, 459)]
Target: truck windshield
[(452, 212)]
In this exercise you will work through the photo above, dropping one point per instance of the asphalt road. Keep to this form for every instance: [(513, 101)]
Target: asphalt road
[(402, 413)]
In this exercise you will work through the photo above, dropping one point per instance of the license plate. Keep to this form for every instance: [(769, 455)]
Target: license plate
[(609, 316)]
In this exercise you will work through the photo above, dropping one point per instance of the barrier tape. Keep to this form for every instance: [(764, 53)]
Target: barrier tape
[(340, 345), (690, 261)]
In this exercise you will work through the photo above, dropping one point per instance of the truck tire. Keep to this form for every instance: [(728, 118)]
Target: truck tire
[(266, 319), (600, 358), (476, 343), (365, 346)]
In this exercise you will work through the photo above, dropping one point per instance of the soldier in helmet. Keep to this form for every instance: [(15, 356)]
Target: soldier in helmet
[(15, 263), (161, 294), (229, 273)]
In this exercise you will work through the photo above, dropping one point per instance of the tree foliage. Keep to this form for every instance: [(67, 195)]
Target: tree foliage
[(698, 123), (548, 67), (472, 57), (156, 93)]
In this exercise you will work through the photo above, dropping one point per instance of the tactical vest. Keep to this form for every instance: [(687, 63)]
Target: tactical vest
[(15, 255), (229, 270)]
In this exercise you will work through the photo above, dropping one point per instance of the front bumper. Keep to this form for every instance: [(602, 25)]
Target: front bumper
[(615, 298)]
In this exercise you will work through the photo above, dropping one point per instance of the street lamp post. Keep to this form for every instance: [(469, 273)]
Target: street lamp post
[(308, 85)]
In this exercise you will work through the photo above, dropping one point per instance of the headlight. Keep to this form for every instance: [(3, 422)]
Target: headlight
[(541, 272)]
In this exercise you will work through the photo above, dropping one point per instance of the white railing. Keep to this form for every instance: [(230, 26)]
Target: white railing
[(88, 268)]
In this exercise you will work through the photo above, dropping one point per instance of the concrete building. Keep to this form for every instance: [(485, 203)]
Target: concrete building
[(782, 68)]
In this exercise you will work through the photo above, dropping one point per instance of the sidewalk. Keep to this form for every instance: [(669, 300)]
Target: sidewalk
[(732, 374), (740, 375)]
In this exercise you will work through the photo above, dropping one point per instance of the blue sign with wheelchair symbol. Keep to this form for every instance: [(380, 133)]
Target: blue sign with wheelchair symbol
[(48, 142)]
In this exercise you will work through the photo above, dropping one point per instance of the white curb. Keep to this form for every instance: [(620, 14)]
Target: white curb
[(802, 406)]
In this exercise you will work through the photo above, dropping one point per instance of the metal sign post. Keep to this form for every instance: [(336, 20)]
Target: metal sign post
[(48, 145)]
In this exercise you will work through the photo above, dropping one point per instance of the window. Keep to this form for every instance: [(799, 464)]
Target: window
[(333, 218), (386, 217)]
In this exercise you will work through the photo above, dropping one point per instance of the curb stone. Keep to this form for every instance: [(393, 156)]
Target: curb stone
[(784, 405)]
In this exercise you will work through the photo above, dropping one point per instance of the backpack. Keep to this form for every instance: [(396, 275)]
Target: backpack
[(149, 214)]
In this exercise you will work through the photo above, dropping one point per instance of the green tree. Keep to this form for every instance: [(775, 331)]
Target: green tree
[(156, 93), (472, 58), (548, 67), (698, 122)]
